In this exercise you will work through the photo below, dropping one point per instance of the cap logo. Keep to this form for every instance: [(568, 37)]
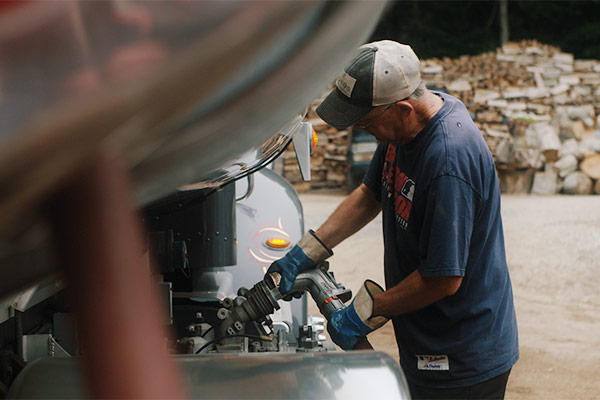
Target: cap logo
[(346, 84)]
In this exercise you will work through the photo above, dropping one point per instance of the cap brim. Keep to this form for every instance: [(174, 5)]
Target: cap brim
[(338, 112)]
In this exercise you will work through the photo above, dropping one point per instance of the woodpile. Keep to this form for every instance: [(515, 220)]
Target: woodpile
[(536, 106), (329, 161)]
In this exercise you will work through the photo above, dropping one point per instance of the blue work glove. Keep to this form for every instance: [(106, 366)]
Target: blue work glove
[(303, 256), (350, 324)]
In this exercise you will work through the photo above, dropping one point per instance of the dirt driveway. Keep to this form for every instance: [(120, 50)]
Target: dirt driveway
[(553, 250)]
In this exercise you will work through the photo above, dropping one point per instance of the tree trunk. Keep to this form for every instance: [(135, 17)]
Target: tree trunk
[(503, 21)]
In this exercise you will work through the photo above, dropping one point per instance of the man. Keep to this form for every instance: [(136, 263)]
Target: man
[(448, 289)]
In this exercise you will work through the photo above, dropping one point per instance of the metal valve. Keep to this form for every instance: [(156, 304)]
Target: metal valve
[(262, 300)]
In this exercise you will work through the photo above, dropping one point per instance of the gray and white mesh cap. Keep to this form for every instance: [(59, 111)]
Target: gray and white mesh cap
[(381, 73)]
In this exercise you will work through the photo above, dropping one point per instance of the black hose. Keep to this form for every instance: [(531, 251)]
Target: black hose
[(19, 333), (229, 336)]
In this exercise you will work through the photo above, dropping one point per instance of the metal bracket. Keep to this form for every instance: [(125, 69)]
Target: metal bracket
[(44, 345), (302, 144)]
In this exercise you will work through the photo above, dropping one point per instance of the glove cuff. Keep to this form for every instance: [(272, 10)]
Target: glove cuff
[(363, 304), (314, 248)]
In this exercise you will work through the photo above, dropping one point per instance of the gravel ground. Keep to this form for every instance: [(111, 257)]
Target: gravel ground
[(553, 250)]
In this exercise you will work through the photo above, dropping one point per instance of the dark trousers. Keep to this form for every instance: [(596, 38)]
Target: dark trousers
[(491, 389)]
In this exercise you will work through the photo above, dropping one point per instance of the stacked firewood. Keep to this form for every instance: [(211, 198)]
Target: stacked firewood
[(536, 106), (329, 161)]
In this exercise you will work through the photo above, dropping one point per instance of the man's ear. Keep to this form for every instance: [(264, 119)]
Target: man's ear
[(405, 107)]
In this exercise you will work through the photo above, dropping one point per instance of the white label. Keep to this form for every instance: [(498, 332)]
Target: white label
[(433, 363), (346, 84), (408, 189)]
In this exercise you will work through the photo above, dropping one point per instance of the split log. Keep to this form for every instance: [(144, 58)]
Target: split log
[(571, 147), (577, 183), (580, 131), (505, 152), (549, 141), (590, 146), (591, 166), (566, 165), (545, 183), (515, 181), (527, 157), (581, 112), (335, 157), (460, 85), (302, 186), (336, 177)]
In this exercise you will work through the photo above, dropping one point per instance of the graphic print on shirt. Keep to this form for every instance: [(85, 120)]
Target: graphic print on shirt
[(399, 187)]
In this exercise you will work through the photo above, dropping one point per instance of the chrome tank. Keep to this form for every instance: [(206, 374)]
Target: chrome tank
[(337, 375), (178, 88)]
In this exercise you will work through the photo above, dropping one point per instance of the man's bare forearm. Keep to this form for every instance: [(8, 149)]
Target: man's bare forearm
[(353, 213), (413, 293)]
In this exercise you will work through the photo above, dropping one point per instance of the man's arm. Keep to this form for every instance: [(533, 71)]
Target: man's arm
[(372, 306), (358, 209), (413, 293)]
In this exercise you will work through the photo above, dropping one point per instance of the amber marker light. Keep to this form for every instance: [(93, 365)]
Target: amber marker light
[(278, 242), (315, 140)]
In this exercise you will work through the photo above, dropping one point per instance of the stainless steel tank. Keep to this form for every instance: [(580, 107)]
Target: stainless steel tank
[(336, 375)]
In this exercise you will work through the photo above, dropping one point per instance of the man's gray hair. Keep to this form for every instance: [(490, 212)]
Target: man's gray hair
[(419, 93)]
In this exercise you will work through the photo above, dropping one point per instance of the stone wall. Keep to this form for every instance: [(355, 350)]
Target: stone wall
[(536, 106)]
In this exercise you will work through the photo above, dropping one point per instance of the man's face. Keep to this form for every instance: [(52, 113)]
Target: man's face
[(388, 123)]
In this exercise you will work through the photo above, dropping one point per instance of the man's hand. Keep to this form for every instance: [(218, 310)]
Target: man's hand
[(305, 255), (348, 325)]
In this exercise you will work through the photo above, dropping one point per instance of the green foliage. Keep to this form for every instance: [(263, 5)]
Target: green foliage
[(525, 120), (585, 40), (454, 28)]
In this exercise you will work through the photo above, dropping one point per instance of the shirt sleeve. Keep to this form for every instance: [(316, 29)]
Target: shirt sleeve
[(447, 227), (372, 178)]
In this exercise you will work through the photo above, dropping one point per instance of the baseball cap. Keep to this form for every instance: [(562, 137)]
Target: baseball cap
[(381, 73)]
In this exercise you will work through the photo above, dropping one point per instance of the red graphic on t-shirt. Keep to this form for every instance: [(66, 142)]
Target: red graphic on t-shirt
[(398, 186)]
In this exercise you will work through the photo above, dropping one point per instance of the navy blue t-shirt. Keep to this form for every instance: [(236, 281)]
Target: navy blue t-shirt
[(441, 215)]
